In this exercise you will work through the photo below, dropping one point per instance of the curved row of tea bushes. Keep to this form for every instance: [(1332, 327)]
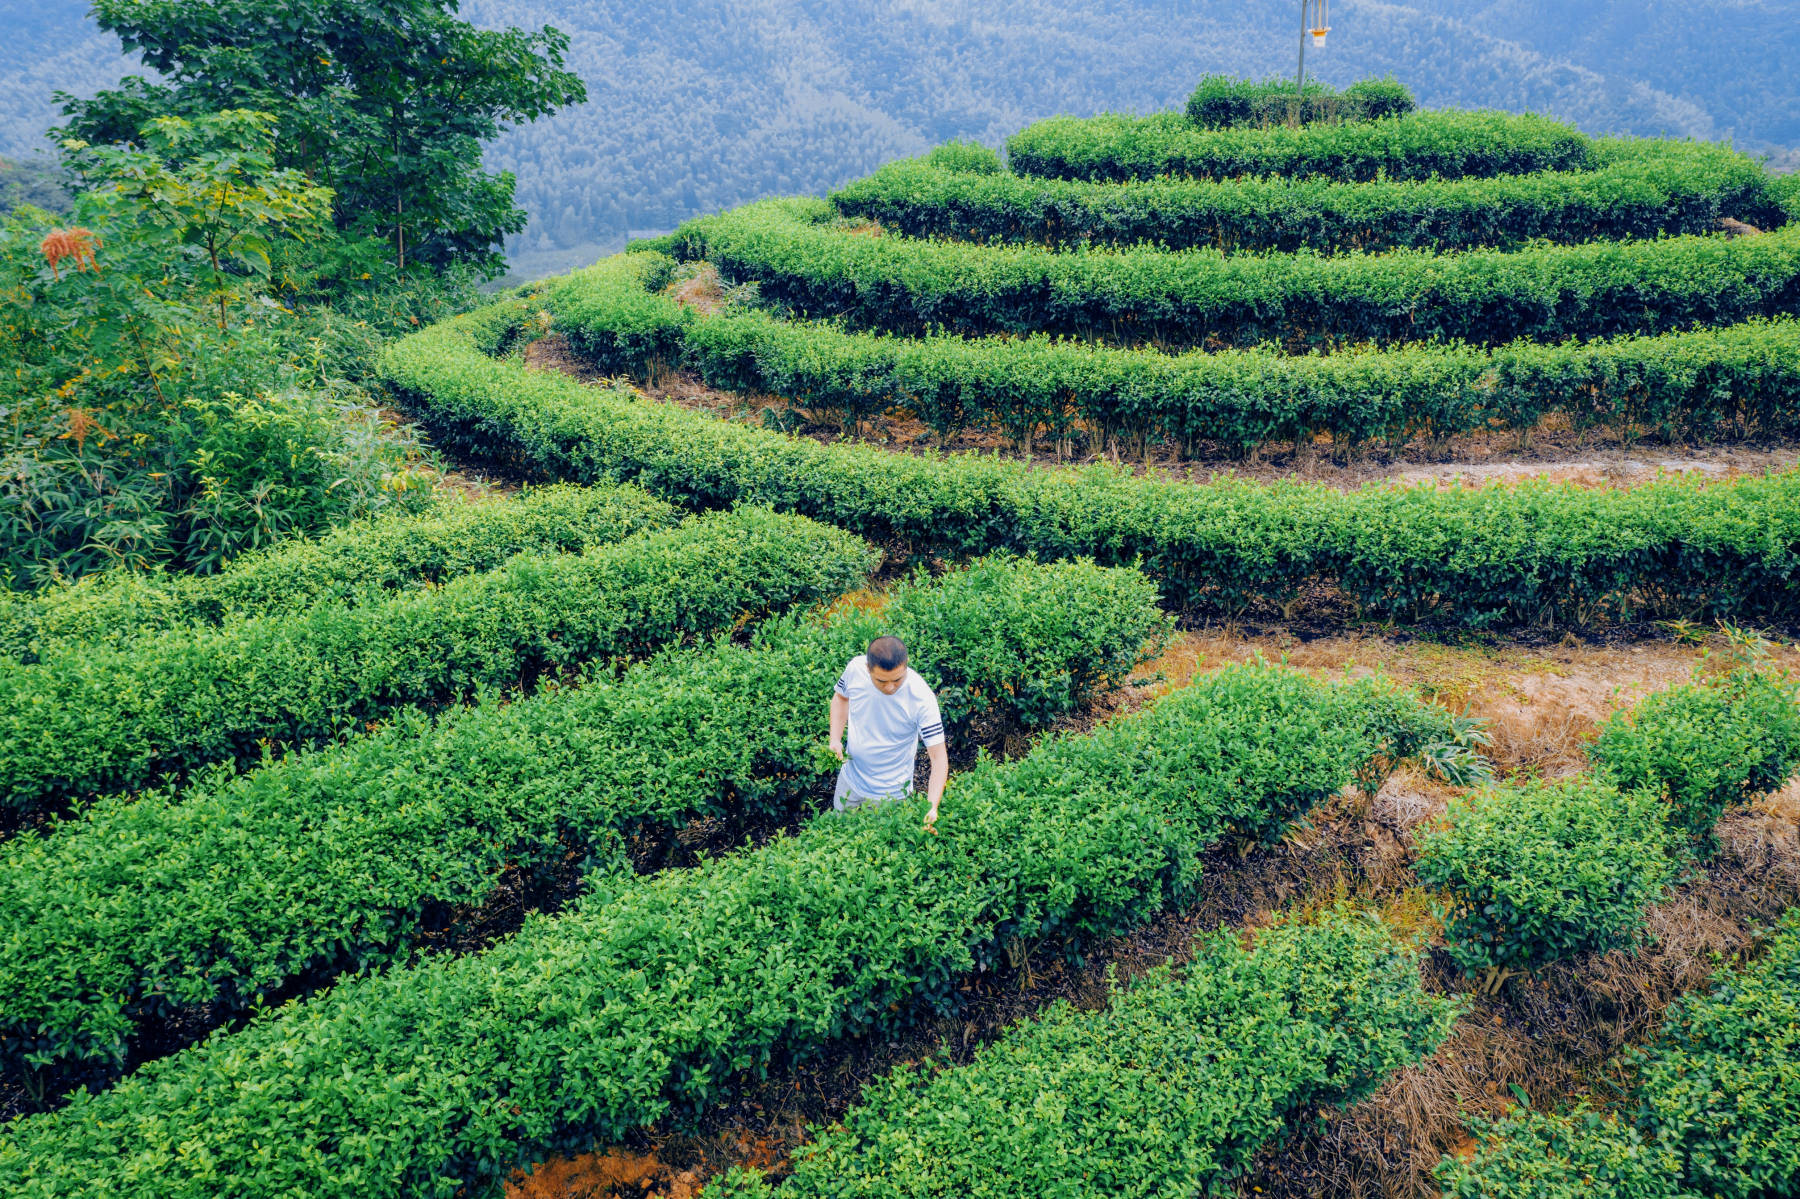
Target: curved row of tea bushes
[(804, 264), (109, 720), (1532, 874), (1168, 1090), (1420, 145), (1639, 190), (1715, 1110), (1741, 379), (216, 898), (1222, 101), (362, 563), (663, 992), (1537, 553)]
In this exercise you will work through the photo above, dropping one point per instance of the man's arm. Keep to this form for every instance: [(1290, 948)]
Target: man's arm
[(840, 717), (934, 790)]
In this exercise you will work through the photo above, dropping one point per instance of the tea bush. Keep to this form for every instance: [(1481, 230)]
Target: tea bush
[(1711, 1111), (1538, 553), (1224, 100), (361, 563), (1203, 297), (1419, 145), (1168, 1090), (1704, 747), (1532, 874), (1636, 190), (335, 860), (88, 721), (659, 993)]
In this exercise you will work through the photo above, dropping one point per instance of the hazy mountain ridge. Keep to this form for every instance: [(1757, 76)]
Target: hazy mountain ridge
[(700, 105)]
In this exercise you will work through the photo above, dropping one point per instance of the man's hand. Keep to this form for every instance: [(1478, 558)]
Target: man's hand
[(931, 820), (837, 750)]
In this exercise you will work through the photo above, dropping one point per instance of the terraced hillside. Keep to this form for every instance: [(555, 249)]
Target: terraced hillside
[(1322, 839)]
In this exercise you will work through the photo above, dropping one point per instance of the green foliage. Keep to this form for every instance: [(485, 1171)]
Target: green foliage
[(1537, 873), (1530, 1155), (362, 563), (335, 860), (1735, 380), (1168, 1090), (658, 993), (87, 721), (1714, 1103), (1539, 553), (1453, 145), (1702, 748), (1635, 190), (964, 158), (802, 264), (1720, 1085), (1220, 101), (157, 419), (385, 103)]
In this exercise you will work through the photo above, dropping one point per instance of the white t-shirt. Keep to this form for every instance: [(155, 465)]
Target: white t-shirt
[(885, 730)]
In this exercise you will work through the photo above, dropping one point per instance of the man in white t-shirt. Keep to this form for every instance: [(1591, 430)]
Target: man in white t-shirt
[(889, 709)]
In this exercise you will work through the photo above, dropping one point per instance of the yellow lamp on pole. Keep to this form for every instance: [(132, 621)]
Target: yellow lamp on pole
[(1315, 23)]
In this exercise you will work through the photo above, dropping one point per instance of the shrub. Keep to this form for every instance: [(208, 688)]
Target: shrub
[(1714, 1102), (1221, 101), (661, 993), (365, 562), (965, 158), (1530, 1155), (336, 860), (1721, 1083), (1139, 295), (1536, 873), (1705, 747), (1453, 145), (89, 721), (1168, 1090), (1538, 553), (1637, 189)]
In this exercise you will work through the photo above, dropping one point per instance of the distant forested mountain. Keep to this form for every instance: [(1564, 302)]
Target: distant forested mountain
[(696, 105)]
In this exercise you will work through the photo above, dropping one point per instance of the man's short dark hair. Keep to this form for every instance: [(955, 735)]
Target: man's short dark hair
[(887, 653)]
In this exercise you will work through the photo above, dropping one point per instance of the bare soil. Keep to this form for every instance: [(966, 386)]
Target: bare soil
[(1552, 1035)]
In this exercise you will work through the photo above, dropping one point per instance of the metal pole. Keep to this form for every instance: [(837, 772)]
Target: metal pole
[(1300, 79)]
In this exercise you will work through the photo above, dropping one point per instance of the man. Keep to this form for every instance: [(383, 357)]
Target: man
[(889, 710)]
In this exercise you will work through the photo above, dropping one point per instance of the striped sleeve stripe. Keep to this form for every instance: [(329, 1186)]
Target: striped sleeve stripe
[(931, 730), (843, 684)]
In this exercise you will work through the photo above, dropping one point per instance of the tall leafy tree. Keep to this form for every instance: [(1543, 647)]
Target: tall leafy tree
[(385, 102)]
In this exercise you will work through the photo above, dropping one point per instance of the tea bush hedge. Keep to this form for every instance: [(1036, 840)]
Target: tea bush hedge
[(91, 721), (1532, 874), (1736, 380), (210, 899), (1702, 748), (805, 265), (658, 993), (363, 563), (1712, 1111), (1221, 101), (1537, 553), (1636, 190), (1419, 145), (1168, 1090)]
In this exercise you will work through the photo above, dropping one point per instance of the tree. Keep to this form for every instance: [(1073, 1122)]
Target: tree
[(385, 102), (150, 416)]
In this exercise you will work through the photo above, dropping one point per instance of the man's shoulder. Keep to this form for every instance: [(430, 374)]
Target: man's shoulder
[(915, 683)]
